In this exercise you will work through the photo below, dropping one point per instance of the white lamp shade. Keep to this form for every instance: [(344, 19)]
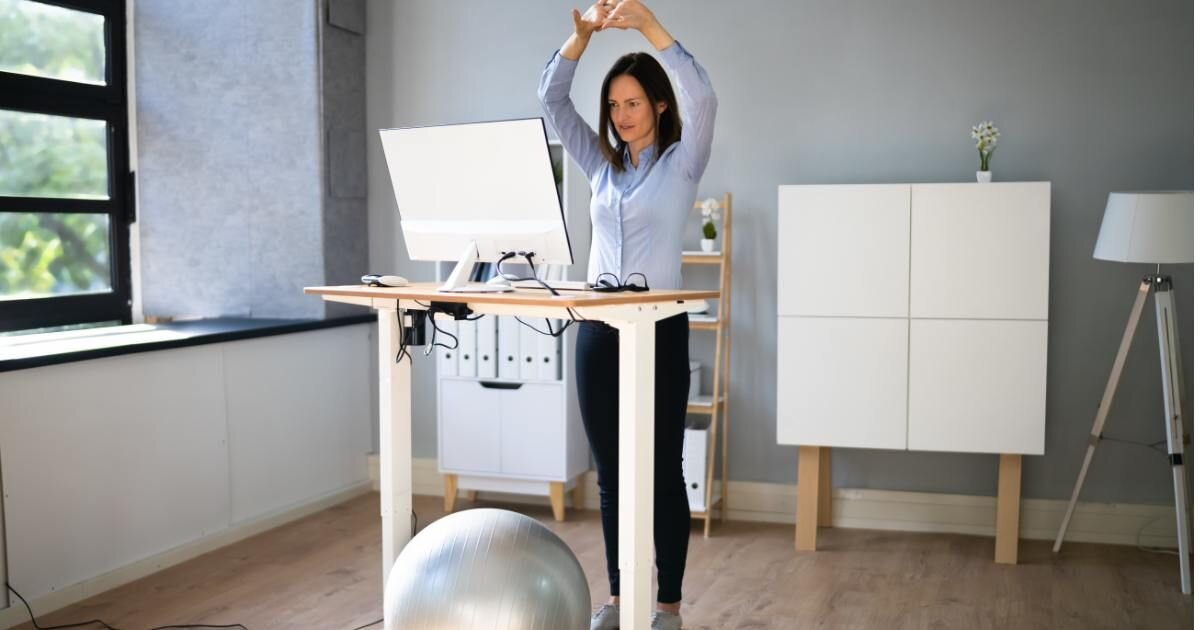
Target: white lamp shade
[(1147, 227)]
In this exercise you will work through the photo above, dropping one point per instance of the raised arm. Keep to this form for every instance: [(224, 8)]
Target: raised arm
[(697, 99), (554, 92)]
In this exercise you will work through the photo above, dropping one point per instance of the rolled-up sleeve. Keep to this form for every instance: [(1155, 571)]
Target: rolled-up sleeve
[(698, 101), (554, 91)]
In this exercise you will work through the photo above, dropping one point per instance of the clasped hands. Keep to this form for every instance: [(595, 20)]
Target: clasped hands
[(622, 14)]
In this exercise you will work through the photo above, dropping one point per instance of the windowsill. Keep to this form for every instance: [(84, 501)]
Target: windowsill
[(19, 353)]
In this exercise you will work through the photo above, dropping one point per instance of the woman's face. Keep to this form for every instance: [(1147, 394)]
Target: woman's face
[(631, 112)]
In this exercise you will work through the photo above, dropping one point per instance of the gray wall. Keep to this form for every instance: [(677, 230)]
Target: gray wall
[(1092, 96), (243, 110)]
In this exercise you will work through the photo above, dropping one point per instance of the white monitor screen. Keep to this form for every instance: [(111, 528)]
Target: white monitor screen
[(490, 183)]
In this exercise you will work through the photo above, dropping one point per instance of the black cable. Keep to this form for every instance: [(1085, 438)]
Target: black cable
[(434, 342), (403, 349), (1153, 447), (33, 619), (514, 278), (369, 625), (549, 332)]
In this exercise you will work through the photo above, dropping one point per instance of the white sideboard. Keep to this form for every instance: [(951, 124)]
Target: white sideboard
[(912, 317), (518, 436)]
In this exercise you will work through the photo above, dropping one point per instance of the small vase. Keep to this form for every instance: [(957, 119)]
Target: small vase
[(707, 244), (983, 177)]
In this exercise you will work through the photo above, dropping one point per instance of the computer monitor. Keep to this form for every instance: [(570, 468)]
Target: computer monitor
[(473, 192)]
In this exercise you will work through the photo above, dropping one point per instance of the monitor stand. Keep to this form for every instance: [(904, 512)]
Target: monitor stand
[(459, 279)]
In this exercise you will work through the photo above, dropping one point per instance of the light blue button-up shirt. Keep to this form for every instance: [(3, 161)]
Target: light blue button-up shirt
[(638, 214)]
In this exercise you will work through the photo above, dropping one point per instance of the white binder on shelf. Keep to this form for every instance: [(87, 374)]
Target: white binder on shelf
[(466, 348), (448, 356), (528, 346), (508, 348), (547, 355), (695, 464), (485, 346)]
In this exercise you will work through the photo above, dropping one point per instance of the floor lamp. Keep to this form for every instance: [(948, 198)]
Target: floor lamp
[(1155, 228)]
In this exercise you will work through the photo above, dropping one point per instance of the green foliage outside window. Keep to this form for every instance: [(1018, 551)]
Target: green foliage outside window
[(52, 157)]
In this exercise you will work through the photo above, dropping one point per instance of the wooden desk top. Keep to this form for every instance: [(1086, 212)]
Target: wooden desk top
[(427, 291)]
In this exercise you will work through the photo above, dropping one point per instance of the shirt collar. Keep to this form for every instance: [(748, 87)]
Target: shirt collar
[(644, 157)]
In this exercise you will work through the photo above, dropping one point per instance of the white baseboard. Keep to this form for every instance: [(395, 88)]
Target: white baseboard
[(1109, 523), (16, 614)]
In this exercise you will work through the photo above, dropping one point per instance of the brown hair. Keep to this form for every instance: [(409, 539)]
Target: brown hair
[(653, 79)]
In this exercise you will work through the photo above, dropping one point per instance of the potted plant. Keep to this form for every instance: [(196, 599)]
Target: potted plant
[(984, 134), (710, 211)]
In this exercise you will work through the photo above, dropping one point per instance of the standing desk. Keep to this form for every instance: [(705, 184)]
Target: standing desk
[(634, 315)]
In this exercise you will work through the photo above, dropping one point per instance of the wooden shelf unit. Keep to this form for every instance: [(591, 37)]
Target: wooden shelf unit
[(718, 412)]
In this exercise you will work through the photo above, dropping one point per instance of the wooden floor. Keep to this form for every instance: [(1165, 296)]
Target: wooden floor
[(324, 572)]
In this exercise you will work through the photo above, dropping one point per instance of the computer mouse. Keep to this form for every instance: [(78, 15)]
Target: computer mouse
[(393, 281), (500, 281), (377, 280)]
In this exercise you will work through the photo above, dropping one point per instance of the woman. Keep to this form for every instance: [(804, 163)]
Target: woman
[(643, 188)]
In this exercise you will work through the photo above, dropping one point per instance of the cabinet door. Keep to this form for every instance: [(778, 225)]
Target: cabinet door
[(469, 427), (843, 250), (533, 431), (842, 382), (981, 251), (978, 386)]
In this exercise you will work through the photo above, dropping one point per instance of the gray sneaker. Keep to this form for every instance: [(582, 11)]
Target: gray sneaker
[(607, 618), (665, 621)]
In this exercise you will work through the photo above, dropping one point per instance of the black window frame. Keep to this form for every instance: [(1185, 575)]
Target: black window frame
[(107, 102)]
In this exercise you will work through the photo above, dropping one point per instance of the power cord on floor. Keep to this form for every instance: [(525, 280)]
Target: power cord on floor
[(369, 625), (1138, 539), (33, 620)]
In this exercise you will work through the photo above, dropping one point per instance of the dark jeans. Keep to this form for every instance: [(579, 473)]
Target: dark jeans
[(597, 371)]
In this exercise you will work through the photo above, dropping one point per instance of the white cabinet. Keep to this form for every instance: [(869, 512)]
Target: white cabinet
[(497, 427), (913, 316), (509, 434)]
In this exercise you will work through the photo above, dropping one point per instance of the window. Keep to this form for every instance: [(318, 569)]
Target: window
[(65, 187)]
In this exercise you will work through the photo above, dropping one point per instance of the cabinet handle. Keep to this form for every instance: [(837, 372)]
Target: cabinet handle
[(500, 385)]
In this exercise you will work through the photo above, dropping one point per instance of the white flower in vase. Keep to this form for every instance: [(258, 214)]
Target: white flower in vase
[(985, 135)]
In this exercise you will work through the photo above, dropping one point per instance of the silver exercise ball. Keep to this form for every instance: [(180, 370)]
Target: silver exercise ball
[(486, 568)]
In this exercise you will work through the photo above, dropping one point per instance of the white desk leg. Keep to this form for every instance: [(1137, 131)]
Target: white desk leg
[(636, 478), (395, 441)]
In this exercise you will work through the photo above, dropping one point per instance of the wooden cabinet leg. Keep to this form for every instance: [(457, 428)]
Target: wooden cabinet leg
[(808, 469), (1008, 509), (558, 500), (451, 482), (579, 492), (825, 498)]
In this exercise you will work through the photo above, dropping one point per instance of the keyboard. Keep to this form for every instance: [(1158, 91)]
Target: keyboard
[(558, 285)]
